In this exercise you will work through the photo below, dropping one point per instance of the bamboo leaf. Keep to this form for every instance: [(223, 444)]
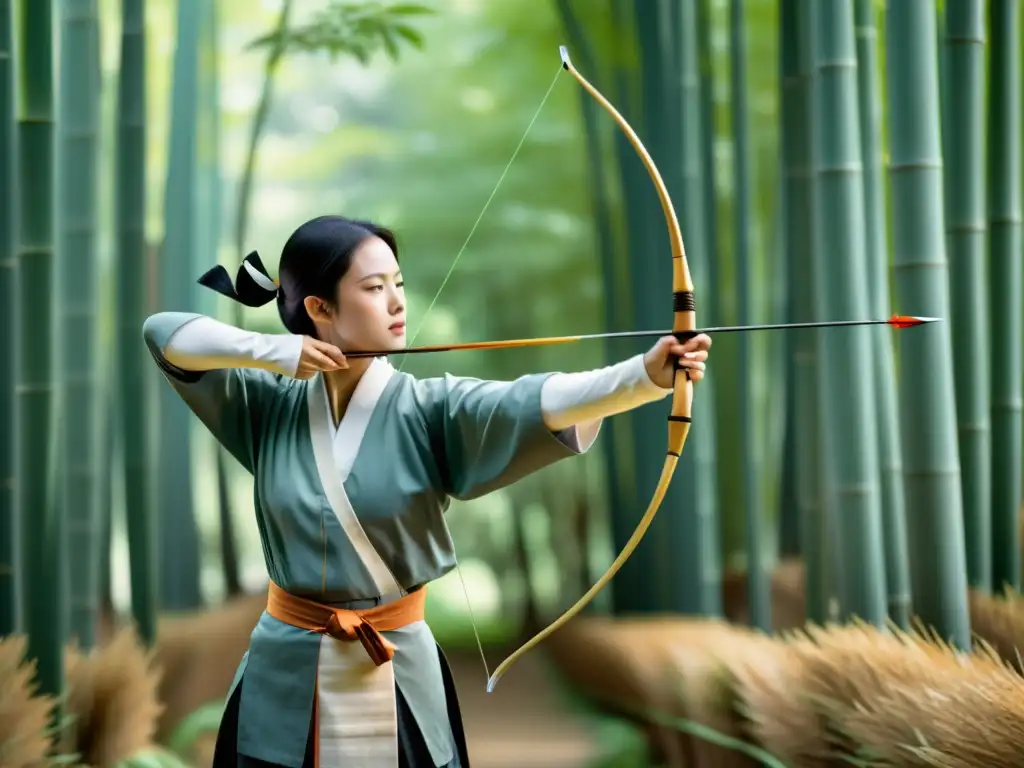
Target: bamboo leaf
[(411, 34), (390, 44), (345, 29), (410, 9)]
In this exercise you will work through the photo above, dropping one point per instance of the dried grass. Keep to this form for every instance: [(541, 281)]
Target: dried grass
[(600, 656), (767, 680), (633, 667), (999, 621), (970, 714), (702, 653), (25, 740), (112, 695)]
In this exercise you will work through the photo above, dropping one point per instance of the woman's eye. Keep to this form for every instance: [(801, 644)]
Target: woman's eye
[(401, 284), (375, 288)]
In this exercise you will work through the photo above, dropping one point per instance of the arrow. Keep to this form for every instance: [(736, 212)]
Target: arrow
[(896, 321)]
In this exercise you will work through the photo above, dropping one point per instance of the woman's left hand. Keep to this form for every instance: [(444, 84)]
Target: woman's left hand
[(661, 357)]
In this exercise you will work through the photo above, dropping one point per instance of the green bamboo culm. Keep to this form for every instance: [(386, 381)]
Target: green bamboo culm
[(758, 579), (629, 594), (832, 553), (210, 233), (847, 363), (43, 530), (789, 170), (78, 192), (653, 116), (694, 531), (708, 133), (650, 114), (965, 238), (599, 188), (209, 229), (179, 550), (10, 526), (796, 27), (894, 524), (1005, 274), (134, 365), (927, 403)]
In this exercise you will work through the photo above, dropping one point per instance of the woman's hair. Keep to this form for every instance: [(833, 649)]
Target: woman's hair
[(315, 258), (313, 261)]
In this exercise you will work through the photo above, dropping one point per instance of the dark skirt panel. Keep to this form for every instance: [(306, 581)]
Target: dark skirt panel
[(412, 750)]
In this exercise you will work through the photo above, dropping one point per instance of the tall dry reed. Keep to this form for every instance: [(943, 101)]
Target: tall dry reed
[(112, 696), (999, 621), (704, 688), (971, 714), (25, 738)]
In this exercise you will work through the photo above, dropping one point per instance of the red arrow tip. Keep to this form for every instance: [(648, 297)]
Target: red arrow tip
[(908, 321)]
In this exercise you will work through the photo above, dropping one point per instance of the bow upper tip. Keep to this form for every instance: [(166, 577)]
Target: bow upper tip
[(563, 51)]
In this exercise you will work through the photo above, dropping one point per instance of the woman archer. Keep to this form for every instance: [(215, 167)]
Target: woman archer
[(354, 465)]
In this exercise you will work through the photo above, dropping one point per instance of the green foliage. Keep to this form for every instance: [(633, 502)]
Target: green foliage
[(358, 30), (196, 724), (153, 758)]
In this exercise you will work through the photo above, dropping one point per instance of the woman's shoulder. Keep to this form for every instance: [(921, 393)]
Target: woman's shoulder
[(448, 391)]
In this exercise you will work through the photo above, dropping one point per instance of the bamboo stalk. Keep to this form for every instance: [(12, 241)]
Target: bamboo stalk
[(606, 238), (179, 554), (753, 507), (801, 226), (78, 192), (10, 527), (1004, 298), (927, 403), (133, 370), (43, 528), (894, 524), (965, 234), (709, 186), (849, 395), (698, 537)]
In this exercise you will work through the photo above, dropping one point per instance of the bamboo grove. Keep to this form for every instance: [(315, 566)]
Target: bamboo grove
[(898, 481), (890, 465)]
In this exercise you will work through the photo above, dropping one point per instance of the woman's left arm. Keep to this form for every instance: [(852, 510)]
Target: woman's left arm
[(582, 400), (493, 433)]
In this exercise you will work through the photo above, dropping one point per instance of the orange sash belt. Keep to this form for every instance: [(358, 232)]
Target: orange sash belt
[(364, 625)]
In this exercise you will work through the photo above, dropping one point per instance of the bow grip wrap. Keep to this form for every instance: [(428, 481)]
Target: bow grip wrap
[(252, 286), (683, 301)]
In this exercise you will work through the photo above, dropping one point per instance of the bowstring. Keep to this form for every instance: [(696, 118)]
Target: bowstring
[(433, 301), (480, 217)]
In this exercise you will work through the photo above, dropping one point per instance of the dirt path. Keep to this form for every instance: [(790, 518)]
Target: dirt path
[(523, 724)]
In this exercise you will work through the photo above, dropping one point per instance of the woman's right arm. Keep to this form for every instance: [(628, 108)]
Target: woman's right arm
[(225, 375), (205, 344)]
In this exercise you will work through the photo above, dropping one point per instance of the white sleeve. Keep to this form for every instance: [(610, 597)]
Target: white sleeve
[(582, 400), (205, 344)]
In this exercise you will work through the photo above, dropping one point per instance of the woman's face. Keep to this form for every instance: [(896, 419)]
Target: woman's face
[(369, 309)]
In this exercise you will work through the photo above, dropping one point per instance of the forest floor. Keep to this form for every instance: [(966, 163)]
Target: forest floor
[(525, 722)]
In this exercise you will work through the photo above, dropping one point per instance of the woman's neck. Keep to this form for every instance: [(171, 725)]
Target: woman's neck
[(341, 384)]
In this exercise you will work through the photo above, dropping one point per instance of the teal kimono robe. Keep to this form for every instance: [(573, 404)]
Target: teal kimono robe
[(354, 516)]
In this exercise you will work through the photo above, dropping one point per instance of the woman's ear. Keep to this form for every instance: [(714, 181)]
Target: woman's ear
[(317, 310)]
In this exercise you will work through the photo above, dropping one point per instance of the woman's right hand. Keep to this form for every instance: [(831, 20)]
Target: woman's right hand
[(319, 356)]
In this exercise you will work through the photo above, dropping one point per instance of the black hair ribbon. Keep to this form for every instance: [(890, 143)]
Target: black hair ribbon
[(252, 286)]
